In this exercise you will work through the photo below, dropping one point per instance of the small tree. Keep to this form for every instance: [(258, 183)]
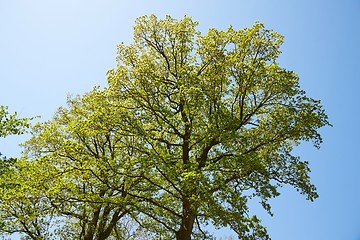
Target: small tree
[(73, 180), (10, 124)]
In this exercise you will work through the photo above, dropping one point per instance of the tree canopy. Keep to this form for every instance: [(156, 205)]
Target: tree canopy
[(190, 127)]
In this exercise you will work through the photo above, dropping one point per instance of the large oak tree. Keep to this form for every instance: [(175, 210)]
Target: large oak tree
[(189, 129)]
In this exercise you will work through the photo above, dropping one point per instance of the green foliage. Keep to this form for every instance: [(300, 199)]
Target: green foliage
[(218, 117), (189, 129), (11, 124)]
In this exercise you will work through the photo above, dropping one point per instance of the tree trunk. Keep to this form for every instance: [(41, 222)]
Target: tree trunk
[(187, 222)]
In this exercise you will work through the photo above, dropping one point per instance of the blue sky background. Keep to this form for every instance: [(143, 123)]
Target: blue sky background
[(49, 48)]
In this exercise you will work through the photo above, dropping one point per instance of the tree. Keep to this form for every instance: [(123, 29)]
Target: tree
[(218, 119), (10, 124), (72, 182), (189, 129)]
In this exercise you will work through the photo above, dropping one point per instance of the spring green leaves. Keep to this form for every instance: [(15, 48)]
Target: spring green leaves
[(10, 123), (190, 128)]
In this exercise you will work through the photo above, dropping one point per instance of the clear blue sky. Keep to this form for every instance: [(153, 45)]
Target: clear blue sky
[(51, 48)]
